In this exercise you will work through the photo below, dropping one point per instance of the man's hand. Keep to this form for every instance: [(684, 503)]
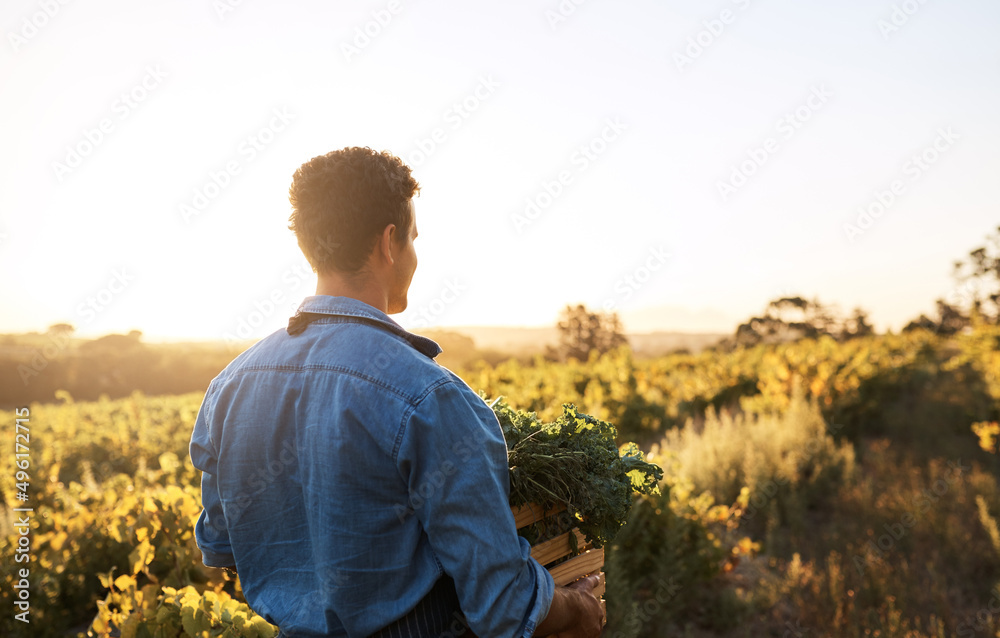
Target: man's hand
[(574, 612)]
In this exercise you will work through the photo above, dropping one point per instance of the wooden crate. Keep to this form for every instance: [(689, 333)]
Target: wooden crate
[(588, 561)]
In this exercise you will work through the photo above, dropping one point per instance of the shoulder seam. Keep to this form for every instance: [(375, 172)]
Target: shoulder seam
[(409, 412), (328, 368)]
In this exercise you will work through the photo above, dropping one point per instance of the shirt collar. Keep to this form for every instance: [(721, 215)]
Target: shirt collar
[(349, 307)]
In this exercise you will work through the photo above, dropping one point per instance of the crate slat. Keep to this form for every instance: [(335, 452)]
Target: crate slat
[(528, 514), (557, 547), (589, 562), (578, 567)]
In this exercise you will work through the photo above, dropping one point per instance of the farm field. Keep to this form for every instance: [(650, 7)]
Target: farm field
[(727, 275), (813, 488)]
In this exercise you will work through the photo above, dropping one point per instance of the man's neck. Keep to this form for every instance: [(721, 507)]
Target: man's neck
[(362, 288)]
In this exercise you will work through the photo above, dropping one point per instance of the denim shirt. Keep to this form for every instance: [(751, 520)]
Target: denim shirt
[(345, 472)]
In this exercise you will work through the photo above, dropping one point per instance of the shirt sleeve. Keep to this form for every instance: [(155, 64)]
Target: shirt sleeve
[(210, 532), (454, 459)]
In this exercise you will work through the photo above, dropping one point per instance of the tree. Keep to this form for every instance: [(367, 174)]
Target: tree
[(784, 319), (950, 320), (856, 326), (976, 292), (977, 279), (61, 329), (457, 350), (793, 318), (810, 317), (582, 332)]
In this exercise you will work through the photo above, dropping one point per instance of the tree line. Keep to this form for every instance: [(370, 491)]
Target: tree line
[(33, 367)]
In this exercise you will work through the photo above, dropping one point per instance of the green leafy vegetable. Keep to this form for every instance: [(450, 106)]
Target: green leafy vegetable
[(575, 461)]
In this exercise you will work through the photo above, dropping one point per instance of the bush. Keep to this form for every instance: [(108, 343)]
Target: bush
[(772, 465), (667, 566)]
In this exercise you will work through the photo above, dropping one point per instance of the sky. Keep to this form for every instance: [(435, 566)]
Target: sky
[(681, 163)]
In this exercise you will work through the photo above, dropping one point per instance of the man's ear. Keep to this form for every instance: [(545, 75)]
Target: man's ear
[(385, 244)]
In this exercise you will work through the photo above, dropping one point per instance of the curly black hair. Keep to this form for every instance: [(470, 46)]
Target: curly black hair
[(342, 201)]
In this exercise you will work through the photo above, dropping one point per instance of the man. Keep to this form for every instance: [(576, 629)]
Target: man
[(358, 487)]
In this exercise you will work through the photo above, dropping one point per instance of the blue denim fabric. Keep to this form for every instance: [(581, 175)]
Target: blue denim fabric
[(345, 472)]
